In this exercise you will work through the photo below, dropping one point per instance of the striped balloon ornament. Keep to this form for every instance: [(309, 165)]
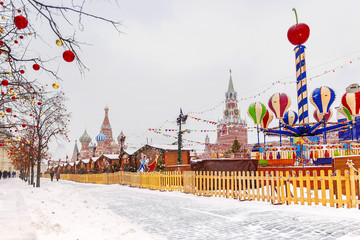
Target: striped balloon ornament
[(319, 117), (267, 119), (290, 118), (279, 104), (351, 101), (322, 98), (343, 110), (257, 111)]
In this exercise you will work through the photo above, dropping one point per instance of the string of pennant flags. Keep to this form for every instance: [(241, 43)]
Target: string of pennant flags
[(310, 79), (208, 110), (187, 140), (203, 131)]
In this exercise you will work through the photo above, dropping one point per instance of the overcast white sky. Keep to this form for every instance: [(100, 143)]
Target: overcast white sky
[(175, 54)]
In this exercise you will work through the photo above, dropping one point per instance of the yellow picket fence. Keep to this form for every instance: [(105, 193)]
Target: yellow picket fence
[(331, 189)]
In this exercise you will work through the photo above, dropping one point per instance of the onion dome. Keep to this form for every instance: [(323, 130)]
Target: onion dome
[(85, 138), (101, 137)]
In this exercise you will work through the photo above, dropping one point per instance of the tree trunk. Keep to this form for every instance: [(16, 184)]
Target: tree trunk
[(38, 158), (32, 171)]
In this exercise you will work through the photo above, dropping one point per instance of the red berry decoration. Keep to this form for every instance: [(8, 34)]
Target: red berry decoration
[(298, 33), (20, 22), (36, 67), (8, 110), (4, 82), (68, 56)]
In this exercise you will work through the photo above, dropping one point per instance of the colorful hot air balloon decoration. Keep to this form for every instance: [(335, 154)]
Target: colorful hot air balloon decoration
[(257, 112), (351, 103), (279, 104), (322, 98), (343, 110), (268, 117), (318, 117), (290, 118)]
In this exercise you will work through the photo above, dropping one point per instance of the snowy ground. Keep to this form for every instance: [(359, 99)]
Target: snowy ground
[(68, 210), (59, 211)]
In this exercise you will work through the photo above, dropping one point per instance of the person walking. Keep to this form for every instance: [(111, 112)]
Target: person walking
[(52, 175), (58, 175)]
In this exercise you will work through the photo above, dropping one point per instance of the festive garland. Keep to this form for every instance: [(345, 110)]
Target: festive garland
[(310, 79)]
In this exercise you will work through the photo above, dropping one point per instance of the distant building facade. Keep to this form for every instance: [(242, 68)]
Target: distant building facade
[(105, 143), (230, 127)]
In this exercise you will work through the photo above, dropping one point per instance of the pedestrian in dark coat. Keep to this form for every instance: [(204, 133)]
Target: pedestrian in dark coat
[(52, 175), (0, 174), (58, 175)]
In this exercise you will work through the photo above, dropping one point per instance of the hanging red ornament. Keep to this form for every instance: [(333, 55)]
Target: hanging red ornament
[(15, 116), (13, 98), (8, 110), (68, 56), (21, 37), (5, 82), (39, 103), (36, 67), (19, 11), (22, 71), (16, 41), (24, 125), (20, 22)]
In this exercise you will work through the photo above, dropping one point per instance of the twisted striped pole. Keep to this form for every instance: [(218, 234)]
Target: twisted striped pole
[(301, 84)]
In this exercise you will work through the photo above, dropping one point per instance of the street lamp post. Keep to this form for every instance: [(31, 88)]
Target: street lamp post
[(122, 141), (180, 120)]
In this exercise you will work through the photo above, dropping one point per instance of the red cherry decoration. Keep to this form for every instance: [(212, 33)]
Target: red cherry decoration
[(20, 22), (36, 67), (299, 33), (68, 56), (4, 82)]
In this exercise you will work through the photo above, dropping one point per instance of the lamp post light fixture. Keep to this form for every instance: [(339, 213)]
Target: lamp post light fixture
[(180, 120), (122, 139)]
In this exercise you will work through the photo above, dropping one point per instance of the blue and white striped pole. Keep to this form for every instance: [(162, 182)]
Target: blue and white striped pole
[(301, 82)]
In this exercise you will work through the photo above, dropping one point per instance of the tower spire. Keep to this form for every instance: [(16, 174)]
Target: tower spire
[(231, 85)]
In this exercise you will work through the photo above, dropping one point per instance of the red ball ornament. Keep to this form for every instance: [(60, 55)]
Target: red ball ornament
[(21, 37), (68, 56), (39, 103), (13, 98), (36, 67), (8, 110), (16, 42), (4, 82), (299, 33), (24, 125), (20, 22), (22, 71)]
